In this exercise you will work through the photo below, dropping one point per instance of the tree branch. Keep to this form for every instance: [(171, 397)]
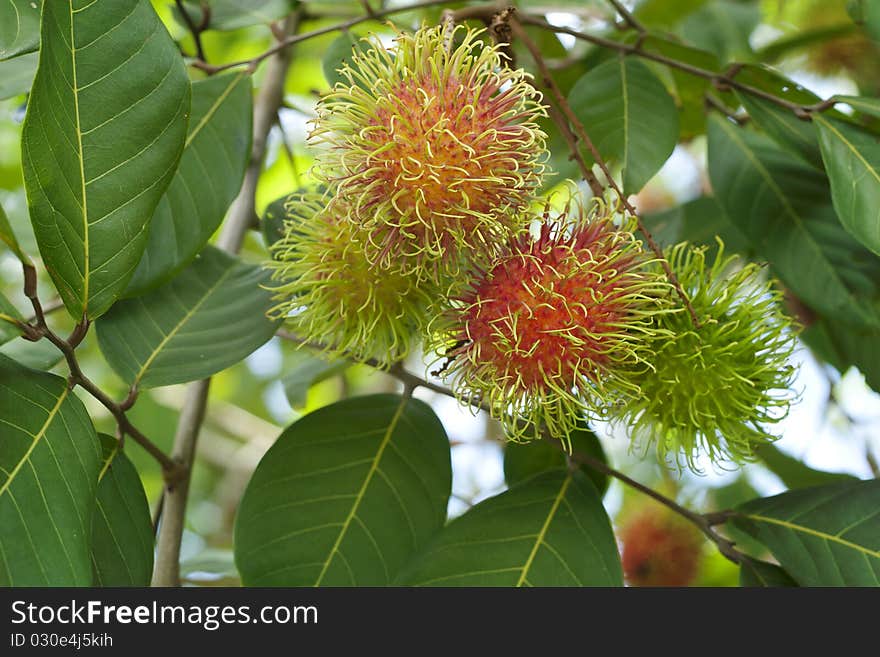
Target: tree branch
[(395, 370), (297, 38), (720, 81), (705, 523), (195, 30), (627, 16), (37, 329), (242, 210), (166, 571), (581, 133)]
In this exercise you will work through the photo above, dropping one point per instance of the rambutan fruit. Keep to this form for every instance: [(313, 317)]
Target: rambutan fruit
[(716, 387), (543, 334), (434, 144), (331, 294), (659, 548)]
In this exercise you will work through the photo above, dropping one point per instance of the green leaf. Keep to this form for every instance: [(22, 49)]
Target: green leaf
[(122, 528), (843, 346), (781, 125), (208, 317), (793, 473), (630, 117), (867, 14), (8, 314), (755, 573), (273, 218), (689, 89), (852, 159), (345, 496), (235, 14), (524, 460), (7, 236), (783, 207), (662, 13), (104, 129), (50, 458), (723, 27), (824, 536), (550, 530), (863, 104), (306, 372), (16, 75), (337, 54), (19, 27), (208, 178), (42, 355), (699, 221)]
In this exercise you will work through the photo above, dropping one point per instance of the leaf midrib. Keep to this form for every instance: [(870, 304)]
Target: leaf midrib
[(215, 106), (37, 437), (82, 171), (789, 210), (814, 532), (625, 99), (374, 466), (110, 457), (539, 539), (177, 327), (829, 126)]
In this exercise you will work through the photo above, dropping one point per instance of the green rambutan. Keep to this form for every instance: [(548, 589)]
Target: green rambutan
[(543, 335), (435, 146), (714, 388), (332, 295)]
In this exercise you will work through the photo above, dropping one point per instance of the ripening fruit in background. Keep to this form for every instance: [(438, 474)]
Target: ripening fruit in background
[(659, 548), (543, 334), (331, 294), (435, 146), (845, 50), (713, 389)]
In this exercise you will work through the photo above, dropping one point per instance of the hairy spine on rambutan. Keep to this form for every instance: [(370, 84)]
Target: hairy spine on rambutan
[(554, 328), (332, 295), (435, 145), (716, 387)]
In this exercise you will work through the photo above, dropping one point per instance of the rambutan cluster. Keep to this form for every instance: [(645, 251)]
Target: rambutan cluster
[(427, 233)]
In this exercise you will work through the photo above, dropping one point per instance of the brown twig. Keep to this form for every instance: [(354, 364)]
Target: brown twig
[(296, 38), (720, 80), (241, 212), (706, 523), (395, 370), (713, 103), (195, 29), (581, 133), (40, 329), (627, 16)]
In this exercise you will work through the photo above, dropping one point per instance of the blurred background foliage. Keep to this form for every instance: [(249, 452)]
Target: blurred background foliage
[(825, 45)]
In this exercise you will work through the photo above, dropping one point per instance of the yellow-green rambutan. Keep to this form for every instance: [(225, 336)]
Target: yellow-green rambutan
[(435, 145), (332, 295), (715, 388), (544, 335)]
